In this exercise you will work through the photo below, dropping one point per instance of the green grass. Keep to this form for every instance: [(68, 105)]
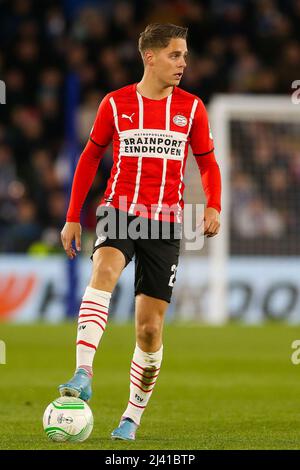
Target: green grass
[(219, 388)]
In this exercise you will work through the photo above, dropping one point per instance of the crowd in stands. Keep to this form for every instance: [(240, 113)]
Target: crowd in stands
[(246, 46), (265, 186)]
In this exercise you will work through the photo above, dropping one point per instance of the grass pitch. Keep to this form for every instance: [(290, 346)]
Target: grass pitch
[(219, 388)]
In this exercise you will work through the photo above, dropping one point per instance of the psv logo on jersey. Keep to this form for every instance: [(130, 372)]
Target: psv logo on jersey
[(180, 120)]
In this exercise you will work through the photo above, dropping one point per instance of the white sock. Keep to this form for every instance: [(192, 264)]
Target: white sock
[(144, 371), (92, 321)]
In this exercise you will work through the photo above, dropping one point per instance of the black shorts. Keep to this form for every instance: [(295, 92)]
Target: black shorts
[(156, 257)]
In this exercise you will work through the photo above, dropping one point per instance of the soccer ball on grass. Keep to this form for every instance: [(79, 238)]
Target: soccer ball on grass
[(68, 419)]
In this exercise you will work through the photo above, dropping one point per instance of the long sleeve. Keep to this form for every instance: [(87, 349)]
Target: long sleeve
[(202, 144), (211, 179), (83, 178)]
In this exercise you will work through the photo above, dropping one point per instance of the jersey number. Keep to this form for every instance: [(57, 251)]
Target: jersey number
[(172, 278)]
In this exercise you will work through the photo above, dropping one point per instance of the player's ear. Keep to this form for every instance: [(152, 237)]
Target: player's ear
[(149, 57)]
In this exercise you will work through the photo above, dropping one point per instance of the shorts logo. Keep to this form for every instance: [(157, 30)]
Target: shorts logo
[(180, 120), (100, 240)]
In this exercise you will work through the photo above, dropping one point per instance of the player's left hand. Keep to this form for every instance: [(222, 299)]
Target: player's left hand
[(211, 222)]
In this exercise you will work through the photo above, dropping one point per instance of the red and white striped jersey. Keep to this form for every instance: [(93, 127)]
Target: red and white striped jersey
[(150, 148)]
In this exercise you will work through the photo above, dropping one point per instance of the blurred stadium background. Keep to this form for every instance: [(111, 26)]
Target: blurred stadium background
[(59, 58)]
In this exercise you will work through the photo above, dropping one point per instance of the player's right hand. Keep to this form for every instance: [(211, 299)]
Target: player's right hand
[(70, 232)]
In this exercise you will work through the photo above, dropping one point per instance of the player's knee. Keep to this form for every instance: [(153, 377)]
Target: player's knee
[(148, 332), (105, 272)]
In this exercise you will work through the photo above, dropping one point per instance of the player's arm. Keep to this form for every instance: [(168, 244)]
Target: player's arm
[(100, 137), (203, 149)]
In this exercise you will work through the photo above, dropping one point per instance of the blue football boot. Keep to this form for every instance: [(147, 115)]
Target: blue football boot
[(80, 386), (125, 431)]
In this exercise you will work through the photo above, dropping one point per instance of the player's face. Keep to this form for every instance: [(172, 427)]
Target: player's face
[(169, 63)]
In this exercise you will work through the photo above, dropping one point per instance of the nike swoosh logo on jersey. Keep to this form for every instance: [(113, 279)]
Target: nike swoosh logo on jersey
[(128, 117)]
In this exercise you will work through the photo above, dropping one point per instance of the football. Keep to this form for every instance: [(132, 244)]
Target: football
[(68, 419)]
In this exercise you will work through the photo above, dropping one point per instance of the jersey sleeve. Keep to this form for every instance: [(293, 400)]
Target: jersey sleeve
[(83, 178), (103, 127), (203, 149), (211, 179), (201, 139)]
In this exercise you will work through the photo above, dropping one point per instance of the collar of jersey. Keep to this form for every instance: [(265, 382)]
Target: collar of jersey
[(150, 99)]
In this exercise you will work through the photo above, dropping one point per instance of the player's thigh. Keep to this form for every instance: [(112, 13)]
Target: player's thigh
[(111, 254), (108, 264)]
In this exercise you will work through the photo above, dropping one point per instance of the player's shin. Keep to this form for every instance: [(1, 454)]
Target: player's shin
[(92, 319), (145, 367)]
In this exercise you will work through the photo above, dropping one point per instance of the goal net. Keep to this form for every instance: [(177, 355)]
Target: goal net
[(255, 261)]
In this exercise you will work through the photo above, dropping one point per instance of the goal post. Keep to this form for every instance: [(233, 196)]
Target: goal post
[(228, 114)]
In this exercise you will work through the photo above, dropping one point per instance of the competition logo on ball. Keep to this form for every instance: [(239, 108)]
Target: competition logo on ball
[(68, 419), (180, 120)]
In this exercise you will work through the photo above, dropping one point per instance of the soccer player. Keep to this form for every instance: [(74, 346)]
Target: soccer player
[(151, 124)]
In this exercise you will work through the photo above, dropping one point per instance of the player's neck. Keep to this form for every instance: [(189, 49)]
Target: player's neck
[(152, 90)]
